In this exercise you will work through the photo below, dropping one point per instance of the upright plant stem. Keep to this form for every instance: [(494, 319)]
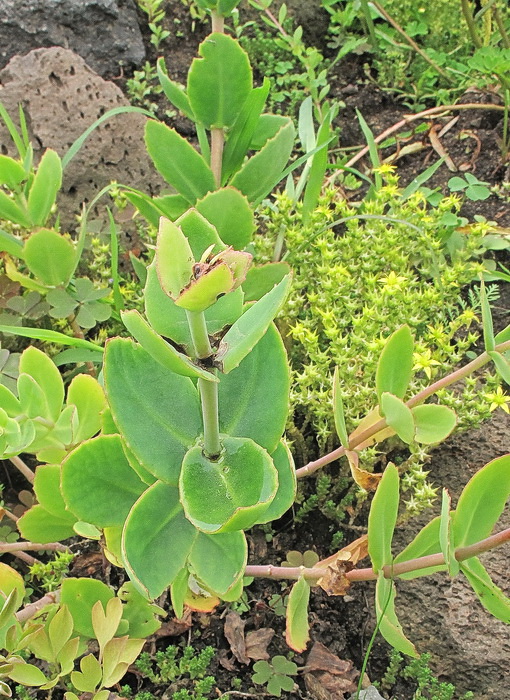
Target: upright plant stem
[(218, 23), (208, 390), (217, 144), (505, 39), (470, 21), (217, 135), (370, 24)]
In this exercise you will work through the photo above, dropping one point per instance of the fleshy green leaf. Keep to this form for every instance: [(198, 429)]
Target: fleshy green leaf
[(174, 92), (296, 633), (178, 162), (200, 232), (39, 366), (262, 172), (491, 597), (317, 169), (338, 411), (389, 625), (147, 400), (398, 416), (50, 257), (156, 524), (47, 490), (38, 525), (481, 502), (244, 410), (161, 351), (260, 280), (267, 127), (243, 480), (426, 542), (218, 561), (433, 423), (219, 82), (446, 539), (11, 172), (50, 337), (250, 327), (80, 595), (205, 290), (27, 674), (179, 591), (45, 187), (230, 213), (170, 321), (12, 212), (383, 517), (488, 329), (10, 244), (92, 473), (395, 365), (88, 396), (240, 135), (174, 259), (287, 484), (140, 613), (502, 366)]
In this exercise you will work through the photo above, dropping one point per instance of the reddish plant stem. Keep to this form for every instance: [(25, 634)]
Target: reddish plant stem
[(368, 574), (417, 399), (6, 547), (32, 608), (217, 144), (8, 514), (22, 467), (27, 558), (217, 23)]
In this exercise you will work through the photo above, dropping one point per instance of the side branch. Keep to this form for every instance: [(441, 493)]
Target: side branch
[(415, 400), (390, 572)]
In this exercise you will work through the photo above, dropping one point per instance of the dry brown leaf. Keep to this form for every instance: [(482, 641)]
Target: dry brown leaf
[(366, 480), (327, 677), (175, 627), (226, 660), (334, 581), (324, 686), (257, 642), (234, 632)]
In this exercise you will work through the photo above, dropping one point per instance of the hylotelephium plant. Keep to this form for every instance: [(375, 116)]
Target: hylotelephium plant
[(182, 451)]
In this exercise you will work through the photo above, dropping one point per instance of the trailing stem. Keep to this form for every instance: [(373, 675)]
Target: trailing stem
[(208, 390), (368, 574), (23, 468), (417, 399)]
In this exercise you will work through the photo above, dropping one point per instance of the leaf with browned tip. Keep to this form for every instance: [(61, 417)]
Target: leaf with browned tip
[(366, 480)]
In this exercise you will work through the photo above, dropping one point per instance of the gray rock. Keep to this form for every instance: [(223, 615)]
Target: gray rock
[(369, 693), (103, 32), (61, 97), (469, 647)]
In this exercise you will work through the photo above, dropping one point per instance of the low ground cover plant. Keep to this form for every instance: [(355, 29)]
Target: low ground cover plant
[(178, 448)]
